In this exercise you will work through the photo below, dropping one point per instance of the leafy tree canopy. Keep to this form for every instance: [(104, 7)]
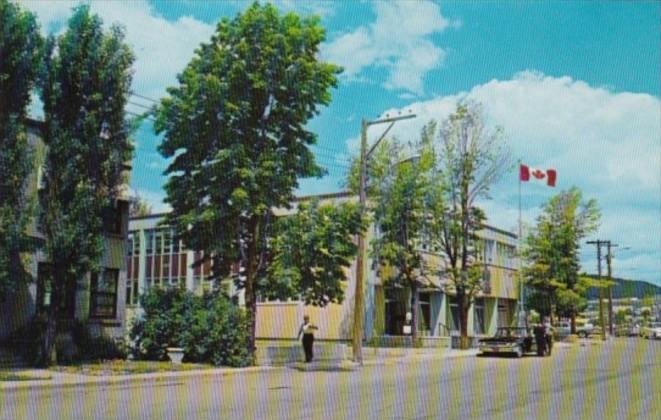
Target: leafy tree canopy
[(312, 252), (20, 57), (552, 252), (86, 84), (235, 125)]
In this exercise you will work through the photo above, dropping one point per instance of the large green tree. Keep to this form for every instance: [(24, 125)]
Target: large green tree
[(311, 252), (552, 254), (20, 55), (399, 192), (471, 158), (86, 86), (235, 127)]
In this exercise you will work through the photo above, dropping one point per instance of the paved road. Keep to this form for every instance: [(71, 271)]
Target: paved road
[(620, 379)]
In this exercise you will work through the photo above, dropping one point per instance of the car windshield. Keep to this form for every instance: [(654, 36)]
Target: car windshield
[(510, 332), (655, 324)]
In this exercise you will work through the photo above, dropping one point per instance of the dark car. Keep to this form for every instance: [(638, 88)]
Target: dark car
[(509, 340)]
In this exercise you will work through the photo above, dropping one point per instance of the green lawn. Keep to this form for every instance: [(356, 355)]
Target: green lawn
[(13, 377), (126, 367)]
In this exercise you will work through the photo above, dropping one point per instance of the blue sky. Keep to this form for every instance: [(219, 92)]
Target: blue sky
[(575, 85)]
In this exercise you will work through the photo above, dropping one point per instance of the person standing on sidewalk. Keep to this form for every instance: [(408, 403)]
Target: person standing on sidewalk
[(548, 333), (540, 339), (307, 330)]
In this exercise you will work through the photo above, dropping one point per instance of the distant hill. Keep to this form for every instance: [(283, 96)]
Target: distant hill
[(627, 289)]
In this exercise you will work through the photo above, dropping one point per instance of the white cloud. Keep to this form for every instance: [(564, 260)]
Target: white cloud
[(604, 142), (398, 41), (318, 7), (162, 47)]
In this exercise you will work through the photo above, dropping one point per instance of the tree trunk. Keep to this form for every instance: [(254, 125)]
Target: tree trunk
[(48, 356), (414, 311), (464, 342), (250, 293), (573, 321)]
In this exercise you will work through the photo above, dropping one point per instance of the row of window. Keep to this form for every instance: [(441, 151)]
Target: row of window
[(166, 263), (103, 293)]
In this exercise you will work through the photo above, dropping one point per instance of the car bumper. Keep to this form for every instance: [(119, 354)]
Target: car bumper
[(496, 349)]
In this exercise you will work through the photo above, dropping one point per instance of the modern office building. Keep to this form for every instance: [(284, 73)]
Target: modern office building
[(155, 257)]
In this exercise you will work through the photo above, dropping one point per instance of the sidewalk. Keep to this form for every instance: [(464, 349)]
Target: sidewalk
[(53, 379), (63, 380)]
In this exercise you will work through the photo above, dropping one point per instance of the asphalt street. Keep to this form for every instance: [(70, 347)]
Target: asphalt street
[(619, 379)]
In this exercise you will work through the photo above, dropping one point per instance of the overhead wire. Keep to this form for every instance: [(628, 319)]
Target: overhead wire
[(146, 98)]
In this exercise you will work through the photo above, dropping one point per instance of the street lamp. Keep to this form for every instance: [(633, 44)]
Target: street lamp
[(359, 298)]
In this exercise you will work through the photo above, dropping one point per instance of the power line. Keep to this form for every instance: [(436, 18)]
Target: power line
[(146, 98), (329, 149), (135, 114), (140, 105)]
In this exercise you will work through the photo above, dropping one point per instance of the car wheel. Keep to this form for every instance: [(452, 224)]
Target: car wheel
[(518, 352), (582, 334)]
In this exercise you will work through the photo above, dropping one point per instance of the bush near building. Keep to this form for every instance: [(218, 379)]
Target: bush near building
[(210, 328), (74, 344)]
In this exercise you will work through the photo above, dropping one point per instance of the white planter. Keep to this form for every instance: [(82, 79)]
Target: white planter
[(176, 354)]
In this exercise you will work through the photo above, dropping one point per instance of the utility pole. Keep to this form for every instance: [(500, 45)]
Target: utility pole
[(602, 322), (359, 293), (610, 287)]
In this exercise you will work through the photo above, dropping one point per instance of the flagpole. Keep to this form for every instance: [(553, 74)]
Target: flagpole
[(521, 301)]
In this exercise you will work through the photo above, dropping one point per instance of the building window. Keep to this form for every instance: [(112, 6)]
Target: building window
[(489, 249), (479, 324), (503, 315), (158, 242), (132, 292), (132, 280), (103, 294), (112, 217), (149, 242), (175, 243), (133, 246), (45, 291), (453, 322), (424, 320)]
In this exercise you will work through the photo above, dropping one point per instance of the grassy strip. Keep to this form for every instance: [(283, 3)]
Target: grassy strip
[(125, 367), (14, 377)]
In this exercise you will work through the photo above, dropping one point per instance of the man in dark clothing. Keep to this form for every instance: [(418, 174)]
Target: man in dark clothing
[(307, 330), (540, 339), (548, 334)]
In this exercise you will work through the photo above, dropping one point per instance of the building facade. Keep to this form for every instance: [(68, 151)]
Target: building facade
[(156, 258), (97, 298)]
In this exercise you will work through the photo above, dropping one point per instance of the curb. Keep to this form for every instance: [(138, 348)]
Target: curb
[(80, 380), (77, 380)]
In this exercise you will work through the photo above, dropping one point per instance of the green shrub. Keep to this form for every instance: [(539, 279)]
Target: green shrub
[(217, 333), (74, 343), (161, 322), (91, 348), (28, 340), (210, 328)]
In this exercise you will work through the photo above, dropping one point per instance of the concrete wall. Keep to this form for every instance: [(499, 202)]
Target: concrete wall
[(282, 320)]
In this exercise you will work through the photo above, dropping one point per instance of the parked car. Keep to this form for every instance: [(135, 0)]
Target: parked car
[(651, 331), (563, 329), (509, 340), (634, 330), (626, 330)]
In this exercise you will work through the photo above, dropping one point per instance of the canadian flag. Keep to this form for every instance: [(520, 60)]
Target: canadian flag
[(525, 173)]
